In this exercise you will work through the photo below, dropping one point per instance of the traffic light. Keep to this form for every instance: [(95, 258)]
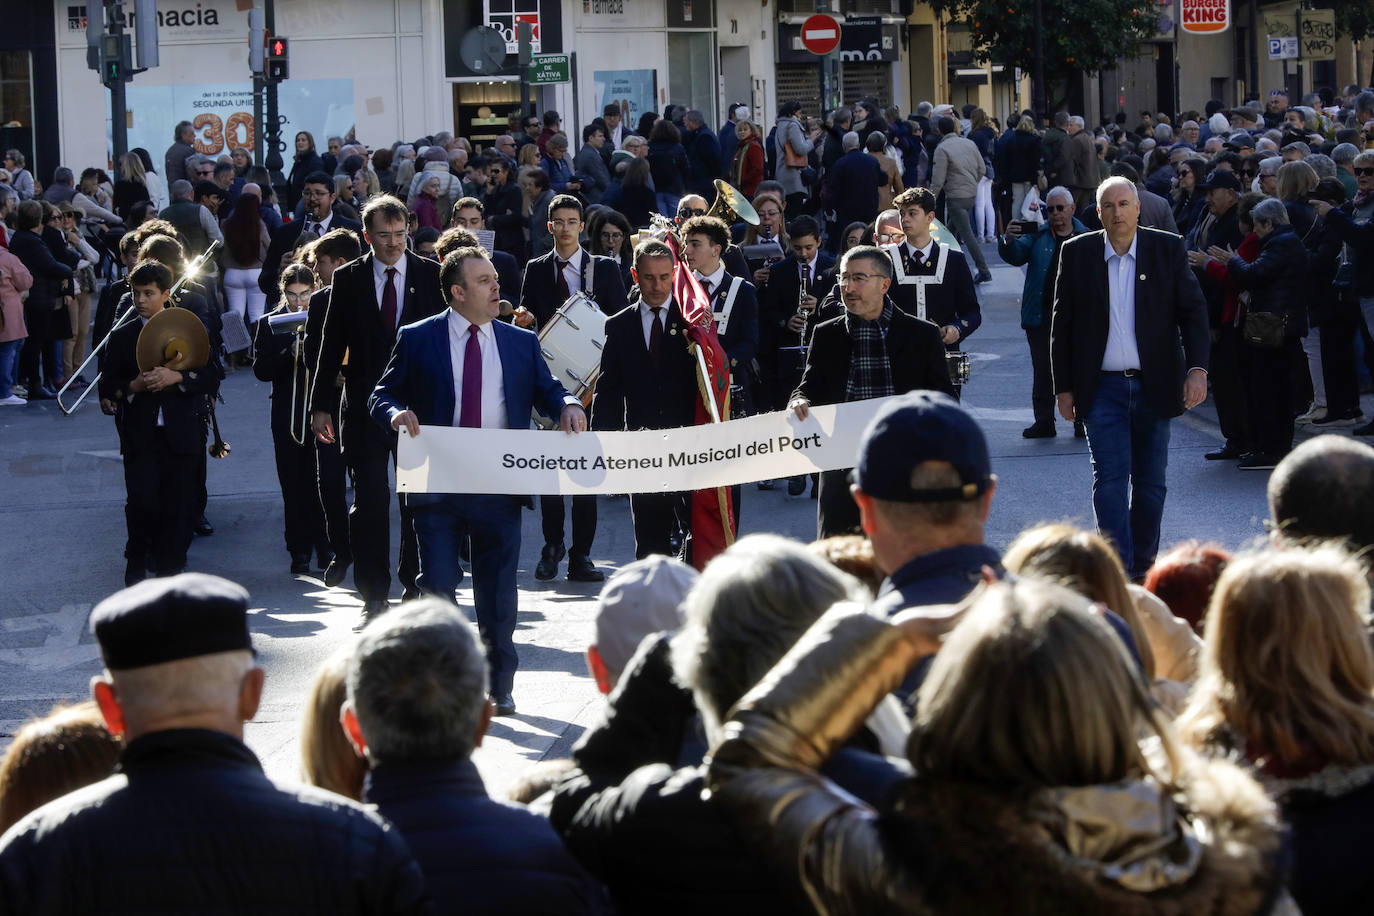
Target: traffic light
[(116, 58), (278, 59)]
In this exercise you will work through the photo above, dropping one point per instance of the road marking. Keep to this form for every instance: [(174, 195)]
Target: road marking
[(62, 647), (110, 453)]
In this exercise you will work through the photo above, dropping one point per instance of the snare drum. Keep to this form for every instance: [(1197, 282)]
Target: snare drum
[(571, 343), (958, 366)]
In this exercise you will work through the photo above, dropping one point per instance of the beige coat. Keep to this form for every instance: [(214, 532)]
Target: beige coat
[(894, 184), (958, 167)]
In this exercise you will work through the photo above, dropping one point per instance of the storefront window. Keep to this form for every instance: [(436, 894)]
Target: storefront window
[(16, 102), (691, 71)]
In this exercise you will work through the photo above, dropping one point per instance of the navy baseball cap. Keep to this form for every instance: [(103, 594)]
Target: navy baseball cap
[(915, 428), (168, 619)]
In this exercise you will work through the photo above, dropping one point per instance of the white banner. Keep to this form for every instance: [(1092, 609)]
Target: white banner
[(446, 459)]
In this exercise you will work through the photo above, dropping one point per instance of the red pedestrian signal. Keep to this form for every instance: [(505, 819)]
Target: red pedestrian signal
[(278, 59)]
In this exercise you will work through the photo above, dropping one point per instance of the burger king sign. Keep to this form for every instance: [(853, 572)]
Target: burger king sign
[(1205, 16)]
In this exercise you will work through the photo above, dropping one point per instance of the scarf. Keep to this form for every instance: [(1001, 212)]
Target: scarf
[(870, 374)]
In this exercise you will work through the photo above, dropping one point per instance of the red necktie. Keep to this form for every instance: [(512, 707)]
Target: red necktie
[(562, 279), (389, 301), (656, 332), (471, 412)]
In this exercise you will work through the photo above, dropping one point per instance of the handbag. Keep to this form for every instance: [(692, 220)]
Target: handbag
[(792, 159), (1264, 330)]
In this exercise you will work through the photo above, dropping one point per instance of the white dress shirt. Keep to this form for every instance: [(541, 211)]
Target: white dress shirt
[(379, 283), (715, 279), (1121, 352), (572, 271), (646, 318), (323, 224), (493, 378), (909, 251)]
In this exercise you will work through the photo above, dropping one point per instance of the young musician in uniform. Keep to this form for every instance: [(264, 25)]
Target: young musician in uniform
[(930, 280), (281, 362), (159, 415), (550, 280)]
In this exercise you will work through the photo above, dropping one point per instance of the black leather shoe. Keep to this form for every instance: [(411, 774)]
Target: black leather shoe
[(1366, 430), (204, 528), (300, 564), (1257, 461), (983, 277), (371, 611), (335, 572), (766, 484), (505, 704), (1225, 453), (796, 486), (1039, 431), (581, 569), (548, 561), (1079, 430), (41, 393), (410, 594), (323, 558)]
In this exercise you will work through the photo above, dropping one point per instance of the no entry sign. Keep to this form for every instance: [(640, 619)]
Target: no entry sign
[(1205, 16), (820, 34)]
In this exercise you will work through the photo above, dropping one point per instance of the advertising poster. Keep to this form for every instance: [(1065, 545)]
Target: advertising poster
[(222, 114), (632, 90)]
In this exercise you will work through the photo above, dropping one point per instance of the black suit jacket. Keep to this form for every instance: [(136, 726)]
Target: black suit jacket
[(778, 298), (600, 279), (633, 393), (183, 405), (914, 352), (741, 336), (950, 303), (1170, 319), (274, 362), (353, 322), (285, 239)]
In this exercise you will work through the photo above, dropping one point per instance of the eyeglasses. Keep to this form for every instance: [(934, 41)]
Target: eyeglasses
[(565, 223), (612, 237), (888, 236), (298, 297), (1366, 172), (859, 279), (1056, 208), (691, 211)]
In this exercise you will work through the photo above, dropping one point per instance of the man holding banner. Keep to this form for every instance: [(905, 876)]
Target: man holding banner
[(461, 368), (873, 350)]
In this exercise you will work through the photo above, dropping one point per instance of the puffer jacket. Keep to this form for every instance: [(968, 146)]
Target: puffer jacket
[(1277, 280), (937, 847), (1035, 251), (190, 824)]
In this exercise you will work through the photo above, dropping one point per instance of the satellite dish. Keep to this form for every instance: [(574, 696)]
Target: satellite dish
[(483, 50)]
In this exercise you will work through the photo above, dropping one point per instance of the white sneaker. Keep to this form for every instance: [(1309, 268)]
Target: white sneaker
[(1316, 413), (12, 401)]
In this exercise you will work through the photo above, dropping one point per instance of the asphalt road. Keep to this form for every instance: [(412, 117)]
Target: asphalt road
[(61, 515)]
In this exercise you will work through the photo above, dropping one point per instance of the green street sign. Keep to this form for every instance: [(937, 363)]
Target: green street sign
[(549, 68)]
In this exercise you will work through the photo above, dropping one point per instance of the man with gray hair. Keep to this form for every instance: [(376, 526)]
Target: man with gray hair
[(190, 823), (417, 708), (1295, 151), (63, 187), (1126, 370), (956, 169), (1344, 156), (1324, 490), (853, 182), (1082, 176)]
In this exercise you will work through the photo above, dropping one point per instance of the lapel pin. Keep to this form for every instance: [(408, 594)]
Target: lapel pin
[(1142, 276)]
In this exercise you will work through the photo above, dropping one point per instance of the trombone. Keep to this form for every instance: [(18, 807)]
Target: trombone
[(129, 315), (293, 323)]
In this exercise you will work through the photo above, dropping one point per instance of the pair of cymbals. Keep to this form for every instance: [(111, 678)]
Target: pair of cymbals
[(174, 338)]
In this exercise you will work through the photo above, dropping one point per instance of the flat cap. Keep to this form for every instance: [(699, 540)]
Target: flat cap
[(915, 428), (645, 597), (165, 620)]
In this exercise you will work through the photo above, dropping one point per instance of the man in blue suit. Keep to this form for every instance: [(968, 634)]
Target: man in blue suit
[(458, 369)]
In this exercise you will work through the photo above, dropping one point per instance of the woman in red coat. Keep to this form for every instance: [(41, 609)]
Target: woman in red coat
[(747, 170)]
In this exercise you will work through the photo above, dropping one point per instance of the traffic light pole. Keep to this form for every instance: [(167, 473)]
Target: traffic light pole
[(119, 108), (272, 127)]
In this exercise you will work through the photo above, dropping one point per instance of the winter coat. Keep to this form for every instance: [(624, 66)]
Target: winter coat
[(668, 167), (502, 209), (450, 187), (789, 131), (1277, 279), (14, 279), (305, 164), (1020, 159), (958, 168), (591, 168), (703, 161), (746, 172), (1036, 252)]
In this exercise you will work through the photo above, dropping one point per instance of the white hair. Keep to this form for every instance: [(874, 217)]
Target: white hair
[(187, 686), (1058, 191), (1116, 181)]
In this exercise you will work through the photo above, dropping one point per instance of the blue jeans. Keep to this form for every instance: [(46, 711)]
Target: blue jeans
[(9, 358), (1129, 445), (667, 203), (493, 524)]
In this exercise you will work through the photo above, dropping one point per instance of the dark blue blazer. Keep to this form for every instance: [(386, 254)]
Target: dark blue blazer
[(419, 376)]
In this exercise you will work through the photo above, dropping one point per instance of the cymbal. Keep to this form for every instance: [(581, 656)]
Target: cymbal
[(174, 338)]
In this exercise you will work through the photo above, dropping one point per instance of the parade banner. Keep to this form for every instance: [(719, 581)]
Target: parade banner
[(447, 459)]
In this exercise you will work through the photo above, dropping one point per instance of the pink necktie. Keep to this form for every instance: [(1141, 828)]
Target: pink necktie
[(471, 413)]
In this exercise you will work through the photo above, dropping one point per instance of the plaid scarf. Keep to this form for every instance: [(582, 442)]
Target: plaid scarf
[(870, 374)]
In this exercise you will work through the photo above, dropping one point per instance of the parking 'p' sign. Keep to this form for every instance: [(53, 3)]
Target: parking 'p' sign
[(1207, 17), (820, 34)]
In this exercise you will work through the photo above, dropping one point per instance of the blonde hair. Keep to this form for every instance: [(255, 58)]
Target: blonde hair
[(751, 235), (63, 751), (327, 758), (1084, 562), (528, 156), (131, 168), (1033, 689), (1286, 660), (1296, 180)]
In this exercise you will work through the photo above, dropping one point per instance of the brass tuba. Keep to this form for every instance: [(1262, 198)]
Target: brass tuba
[(731, 206)]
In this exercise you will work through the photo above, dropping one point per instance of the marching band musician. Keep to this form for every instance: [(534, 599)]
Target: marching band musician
[(327, 254), (930, 280), (550, 280), (161, 423), (281, 362)]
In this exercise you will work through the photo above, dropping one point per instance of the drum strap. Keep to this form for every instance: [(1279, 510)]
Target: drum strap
[(899, 273), (723, 316)]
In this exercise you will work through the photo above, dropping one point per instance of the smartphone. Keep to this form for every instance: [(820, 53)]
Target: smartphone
[(1028, 226)]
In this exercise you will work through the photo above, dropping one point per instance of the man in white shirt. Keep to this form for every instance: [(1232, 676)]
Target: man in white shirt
[(491, 377)]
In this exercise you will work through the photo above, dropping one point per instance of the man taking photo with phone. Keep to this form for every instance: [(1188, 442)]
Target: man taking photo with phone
[(1038, 248)]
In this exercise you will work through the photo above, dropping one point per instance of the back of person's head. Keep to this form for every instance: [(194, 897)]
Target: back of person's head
[(946, 125), (1030, 690), (327, 759), (417, 685), (181, 189), (876, 142), (29, 215), (1287, 666), (1324, 489), (642, 598), (745, 611), (340, 244), (65, 750), (1084, 562), (852, 554), (1296, 179), (1185, 577)]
